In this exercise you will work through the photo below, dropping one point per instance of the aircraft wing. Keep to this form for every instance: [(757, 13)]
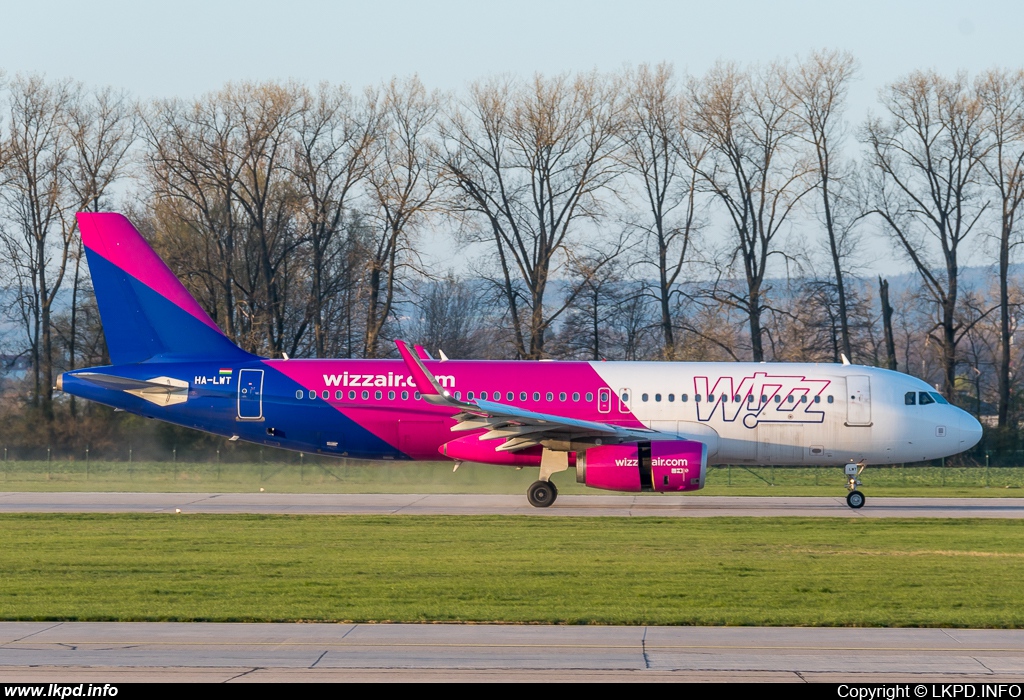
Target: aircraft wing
[(520, 427)]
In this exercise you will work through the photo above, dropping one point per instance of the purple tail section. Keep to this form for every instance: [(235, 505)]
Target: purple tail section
[(146, 310)]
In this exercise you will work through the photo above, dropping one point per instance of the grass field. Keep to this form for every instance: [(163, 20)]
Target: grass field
[(335, 476), (717, 571)]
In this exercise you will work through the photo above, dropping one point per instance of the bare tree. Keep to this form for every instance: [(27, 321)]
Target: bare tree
[(452, 316), (225, 209), (401, 183), (890, 341), (334, 132), (1002, 96), (102, 125), (927, 154), (39, 228), (756, 171), (663, 157), (818, 87), (192, 175), (528, 162)]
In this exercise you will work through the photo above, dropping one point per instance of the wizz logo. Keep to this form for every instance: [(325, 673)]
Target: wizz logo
[(762, 398)]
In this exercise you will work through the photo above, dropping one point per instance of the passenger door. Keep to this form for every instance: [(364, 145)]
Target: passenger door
[(250, 394), (858, 400)]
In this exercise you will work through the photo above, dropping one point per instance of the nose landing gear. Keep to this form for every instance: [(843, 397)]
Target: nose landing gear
[(854, 499)]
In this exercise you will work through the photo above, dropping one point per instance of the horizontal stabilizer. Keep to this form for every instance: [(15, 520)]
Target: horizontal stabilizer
[(162, 391)]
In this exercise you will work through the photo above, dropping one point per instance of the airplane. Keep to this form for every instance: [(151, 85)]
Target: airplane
[(622, 426)]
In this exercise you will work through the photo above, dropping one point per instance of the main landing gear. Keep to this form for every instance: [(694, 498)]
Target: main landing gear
[(541, 494), (854, 499)]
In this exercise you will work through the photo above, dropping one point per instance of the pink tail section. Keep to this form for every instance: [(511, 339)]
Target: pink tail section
[(114, 238)]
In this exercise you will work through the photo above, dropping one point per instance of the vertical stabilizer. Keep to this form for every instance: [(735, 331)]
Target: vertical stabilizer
[(146, 311)]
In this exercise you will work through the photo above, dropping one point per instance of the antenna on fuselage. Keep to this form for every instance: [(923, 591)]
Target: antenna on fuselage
[(846, 360)]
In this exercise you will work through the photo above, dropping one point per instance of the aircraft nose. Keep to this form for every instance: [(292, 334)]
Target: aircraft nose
[(970, 431)]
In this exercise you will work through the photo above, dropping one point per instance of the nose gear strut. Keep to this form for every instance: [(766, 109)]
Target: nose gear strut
[(854, 499)]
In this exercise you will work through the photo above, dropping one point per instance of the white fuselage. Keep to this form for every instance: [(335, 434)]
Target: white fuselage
[(781, 413)]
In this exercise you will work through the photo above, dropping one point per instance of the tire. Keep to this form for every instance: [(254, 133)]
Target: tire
[(855, 499), (541, 494)]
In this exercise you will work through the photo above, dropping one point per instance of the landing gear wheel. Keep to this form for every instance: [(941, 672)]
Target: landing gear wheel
[(541, 494), (855, 499)]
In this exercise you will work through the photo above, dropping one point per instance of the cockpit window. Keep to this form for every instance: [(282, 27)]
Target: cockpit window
[(926, 398), (938, 397), (910, 398)]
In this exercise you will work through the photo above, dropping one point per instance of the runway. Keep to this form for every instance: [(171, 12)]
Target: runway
[(477, 504), (111, 652)]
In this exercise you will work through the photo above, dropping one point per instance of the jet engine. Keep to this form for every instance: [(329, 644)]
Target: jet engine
[(659, 465)]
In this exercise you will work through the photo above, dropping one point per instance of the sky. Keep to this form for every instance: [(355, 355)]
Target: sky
[(186, 48)]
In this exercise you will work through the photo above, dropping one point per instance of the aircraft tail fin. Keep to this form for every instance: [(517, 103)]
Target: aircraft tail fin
[(146, 311)]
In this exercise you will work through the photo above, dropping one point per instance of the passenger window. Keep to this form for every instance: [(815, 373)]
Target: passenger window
[(764, 398), (366, 394), (696, 397), (671, 398), (522, 396), (803, 398), (536, 396), (750, 398), (562, 396), (339, 394), (469, 395), (312, 394), (379, 395), (643, 397), (737, 398), (910, 398), (325, 394), (575, 396), (830, 399), (817, 399), (939, 398), (790, 398), (778, 399), (549, 396), (510, 396), (684, 398), (298, 394), (405, 396), (711, 398), (925, 398), (416, 396), (391, 396), (590, 396), (725, 398), (657, 397), (352, 394)]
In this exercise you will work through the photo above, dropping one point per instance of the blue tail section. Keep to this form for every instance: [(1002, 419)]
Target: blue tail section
[(146, 311)]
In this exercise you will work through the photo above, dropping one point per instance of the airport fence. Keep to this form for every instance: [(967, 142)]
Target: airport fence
[(300, 471)]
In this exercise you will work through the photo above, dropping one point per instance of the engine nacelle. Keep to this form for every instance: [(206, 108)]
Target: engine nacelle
[(659, 465)]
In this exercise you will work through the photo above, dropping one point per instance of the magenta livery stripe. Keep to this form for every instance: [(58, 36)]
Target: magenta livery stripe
[(114, 238), (380, 416)]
